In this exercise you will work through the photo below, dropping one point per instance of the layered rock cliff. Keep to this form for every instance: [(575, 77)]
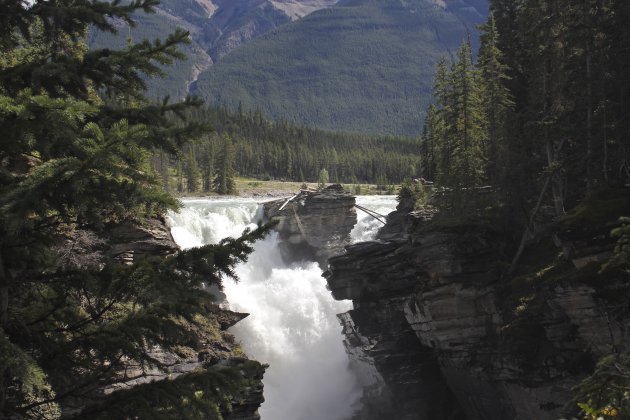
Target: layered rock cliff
[(443, 333), (314, 225)]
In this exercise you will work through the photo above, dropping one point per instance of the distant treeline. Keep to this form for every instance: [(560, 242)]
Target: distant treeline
[(281, 150)]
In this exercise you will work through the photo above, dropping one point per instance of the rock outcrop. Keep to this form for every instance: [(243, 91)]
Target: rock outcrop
[(446, 336), (314, 225), (126, 243)]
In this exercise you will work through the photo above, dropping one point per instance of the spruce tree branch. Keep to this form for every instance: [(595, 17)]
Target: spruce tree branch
[(72, 16), (73, 390), (526, 233), (92, 319), (4, 294)]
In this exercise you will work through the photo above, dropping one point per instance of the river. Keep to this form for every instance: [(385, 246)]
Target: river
[(293, 325)]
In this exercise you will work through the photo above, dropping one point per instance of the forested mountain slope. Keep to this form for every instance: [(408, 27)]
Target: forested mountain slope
[(361, 65), (216, 28), (177, 76)]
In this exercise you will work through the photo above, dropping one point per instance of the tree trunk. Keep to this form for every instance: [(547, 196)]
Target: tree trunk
[(605, 137), (526, 233), (589, 121), (556, 180), (4, 295)]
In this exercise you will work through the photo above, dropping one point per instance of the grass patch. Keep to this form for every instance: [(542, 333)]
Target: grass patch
[(249, 186)]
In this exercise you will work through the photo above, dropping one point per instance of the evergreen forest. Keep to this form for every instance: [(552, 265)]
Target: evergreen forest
[(81, 320), (268, 150), (542, 109)]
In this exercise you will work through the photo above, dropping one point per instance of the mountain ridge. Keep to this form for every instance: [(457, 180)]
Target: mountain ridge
[(361, 65), (216, 26), (350, 65)]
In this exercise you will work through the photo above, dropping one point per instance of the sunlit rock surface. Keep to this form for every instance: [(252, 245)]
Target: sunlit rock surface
[(314, 225)]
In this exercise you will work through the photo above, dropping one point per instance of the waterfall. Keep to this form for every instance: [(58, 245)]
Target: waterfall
[(293, 325), (367, 226)]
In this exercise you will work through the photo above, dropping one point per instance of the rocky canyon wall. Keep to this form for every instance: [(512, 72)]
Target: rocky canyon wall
[(448, 335)]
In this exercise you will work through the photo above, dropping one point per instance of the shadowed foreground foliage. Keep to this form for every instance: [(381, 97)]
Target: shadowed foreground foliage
[(77, 135)]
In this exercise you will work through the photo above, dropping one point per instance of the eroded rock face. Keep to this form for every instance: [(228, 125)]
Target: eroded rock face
[(126, 243), (434, 320), (314, 225)]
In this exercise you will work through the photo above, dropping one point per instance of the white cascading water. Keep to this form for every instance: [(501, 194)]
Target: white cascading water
[(293, 325), (367, 226)]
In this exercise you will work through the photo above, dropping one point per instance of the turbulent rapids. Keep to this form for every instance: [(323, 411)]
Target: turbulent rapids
[(293, 325)]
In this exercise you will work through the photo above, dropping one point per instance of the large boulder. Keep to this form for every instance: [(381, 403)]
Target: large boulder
[(314, 225)]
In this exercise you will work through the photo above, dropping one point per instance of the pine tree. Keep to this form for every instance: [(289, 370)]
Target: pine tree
[(322, 179), (334, 165), (443, 92), (164, 171), (289, 163), (77, 137), (224, 175), (466, 161), (495, 99), (192, 170), (429, 143), (206, 163), (381, 182), (180, 176)]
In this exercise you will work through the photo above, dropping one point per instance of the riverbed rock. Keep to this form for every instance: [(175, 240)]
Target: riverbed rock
[(314, 225)]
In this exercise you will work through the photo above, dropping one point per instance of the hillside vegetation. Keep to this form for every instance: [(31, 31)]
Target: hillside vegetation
[(92, 325), (542, 117), (216, 28), (153, 26), (360, 66)]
